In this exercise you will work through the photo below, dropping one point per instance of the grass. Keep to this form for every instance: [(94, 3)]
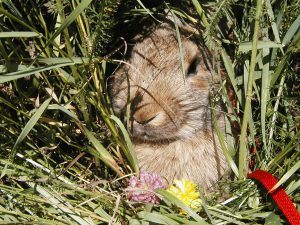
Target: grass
[(65, 158)]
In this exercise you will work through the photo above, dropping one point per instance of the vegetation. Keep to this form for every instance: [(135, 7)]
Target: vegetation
[(65, 158)]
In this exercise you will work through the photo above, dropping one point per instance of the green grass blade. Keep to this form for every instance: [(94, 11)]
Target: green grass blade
[(28, 127), (57, 203), (293, 186), (27, 72), (226, 152), (287, 175), (291, 31), (36, 219), (14, 18), (18, 34), (130, 154), (156, 218), (279, 69), (264, 93), (273, 23), (71, 18), (283, 153), (172, 199), (33, 120), (230, 220), (63, 109), (276, 109), (75, 60), (181, 219), (183, 14), (283, 63), (247, 46), (180, 45), (68, 78), (147, 10), (243, 154), (200, 12), (101, 152), (44, 169), (230, 71)]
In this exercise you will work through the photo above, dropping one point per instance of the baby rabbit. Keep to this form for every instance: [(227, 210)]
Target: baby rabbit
[(170, 118)]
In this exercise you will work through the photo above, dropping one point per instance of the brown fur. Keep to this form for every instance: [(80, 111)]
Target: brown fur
[(170, 119)]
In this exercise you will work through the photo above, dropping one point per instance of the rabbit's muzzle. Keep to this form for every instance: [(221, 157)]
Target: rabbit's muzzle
[(148, 118)]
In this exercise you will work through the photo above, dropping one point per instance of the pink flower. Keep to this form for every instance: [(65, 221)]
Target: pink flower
[(142, 189)]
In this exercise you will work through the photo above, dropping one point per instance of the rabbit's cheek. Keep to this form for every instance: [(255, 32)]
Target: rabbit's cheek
[(118, 104), (137, 129), (141, 131), (150, 130), (199, 83)]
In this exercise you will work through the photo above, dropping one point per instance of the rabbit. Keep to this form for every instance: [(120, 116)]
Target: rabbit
[(169, 114)]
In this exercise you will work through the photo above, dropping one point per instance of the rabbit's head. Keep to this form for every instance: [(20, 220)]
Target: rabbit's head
[(163, 94)]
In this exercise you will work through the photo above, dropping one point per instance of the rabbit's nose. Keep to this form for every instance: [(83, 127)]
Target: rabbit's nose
[(143, 120)]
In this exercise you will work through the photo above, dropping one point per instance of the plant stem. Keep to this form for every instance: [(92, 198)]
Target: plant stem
[(82, 101), (243, 153), (201, 13)]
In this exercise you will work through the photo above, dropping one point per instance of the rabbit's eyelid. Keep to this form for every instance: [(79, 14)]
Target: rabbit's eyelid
[(158, 119)]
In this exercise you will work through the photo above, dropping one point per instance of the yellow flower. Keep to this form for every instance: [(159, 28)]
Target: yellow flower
[(186, 191)]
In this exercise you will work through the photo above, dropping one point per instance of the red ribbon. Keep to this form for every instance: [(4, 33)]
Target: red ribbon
[(279, 195)]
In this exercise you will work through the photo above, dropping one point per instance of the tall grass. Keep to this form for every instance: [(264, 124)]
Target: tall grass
[(65, 157)]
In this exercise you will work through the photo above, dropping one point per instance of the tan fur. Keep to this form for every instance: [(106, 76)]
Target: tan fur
[(170, 119)]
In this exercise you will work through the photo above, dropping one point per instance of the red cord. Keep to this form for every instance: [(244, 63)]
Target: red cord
[(280, 197)]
